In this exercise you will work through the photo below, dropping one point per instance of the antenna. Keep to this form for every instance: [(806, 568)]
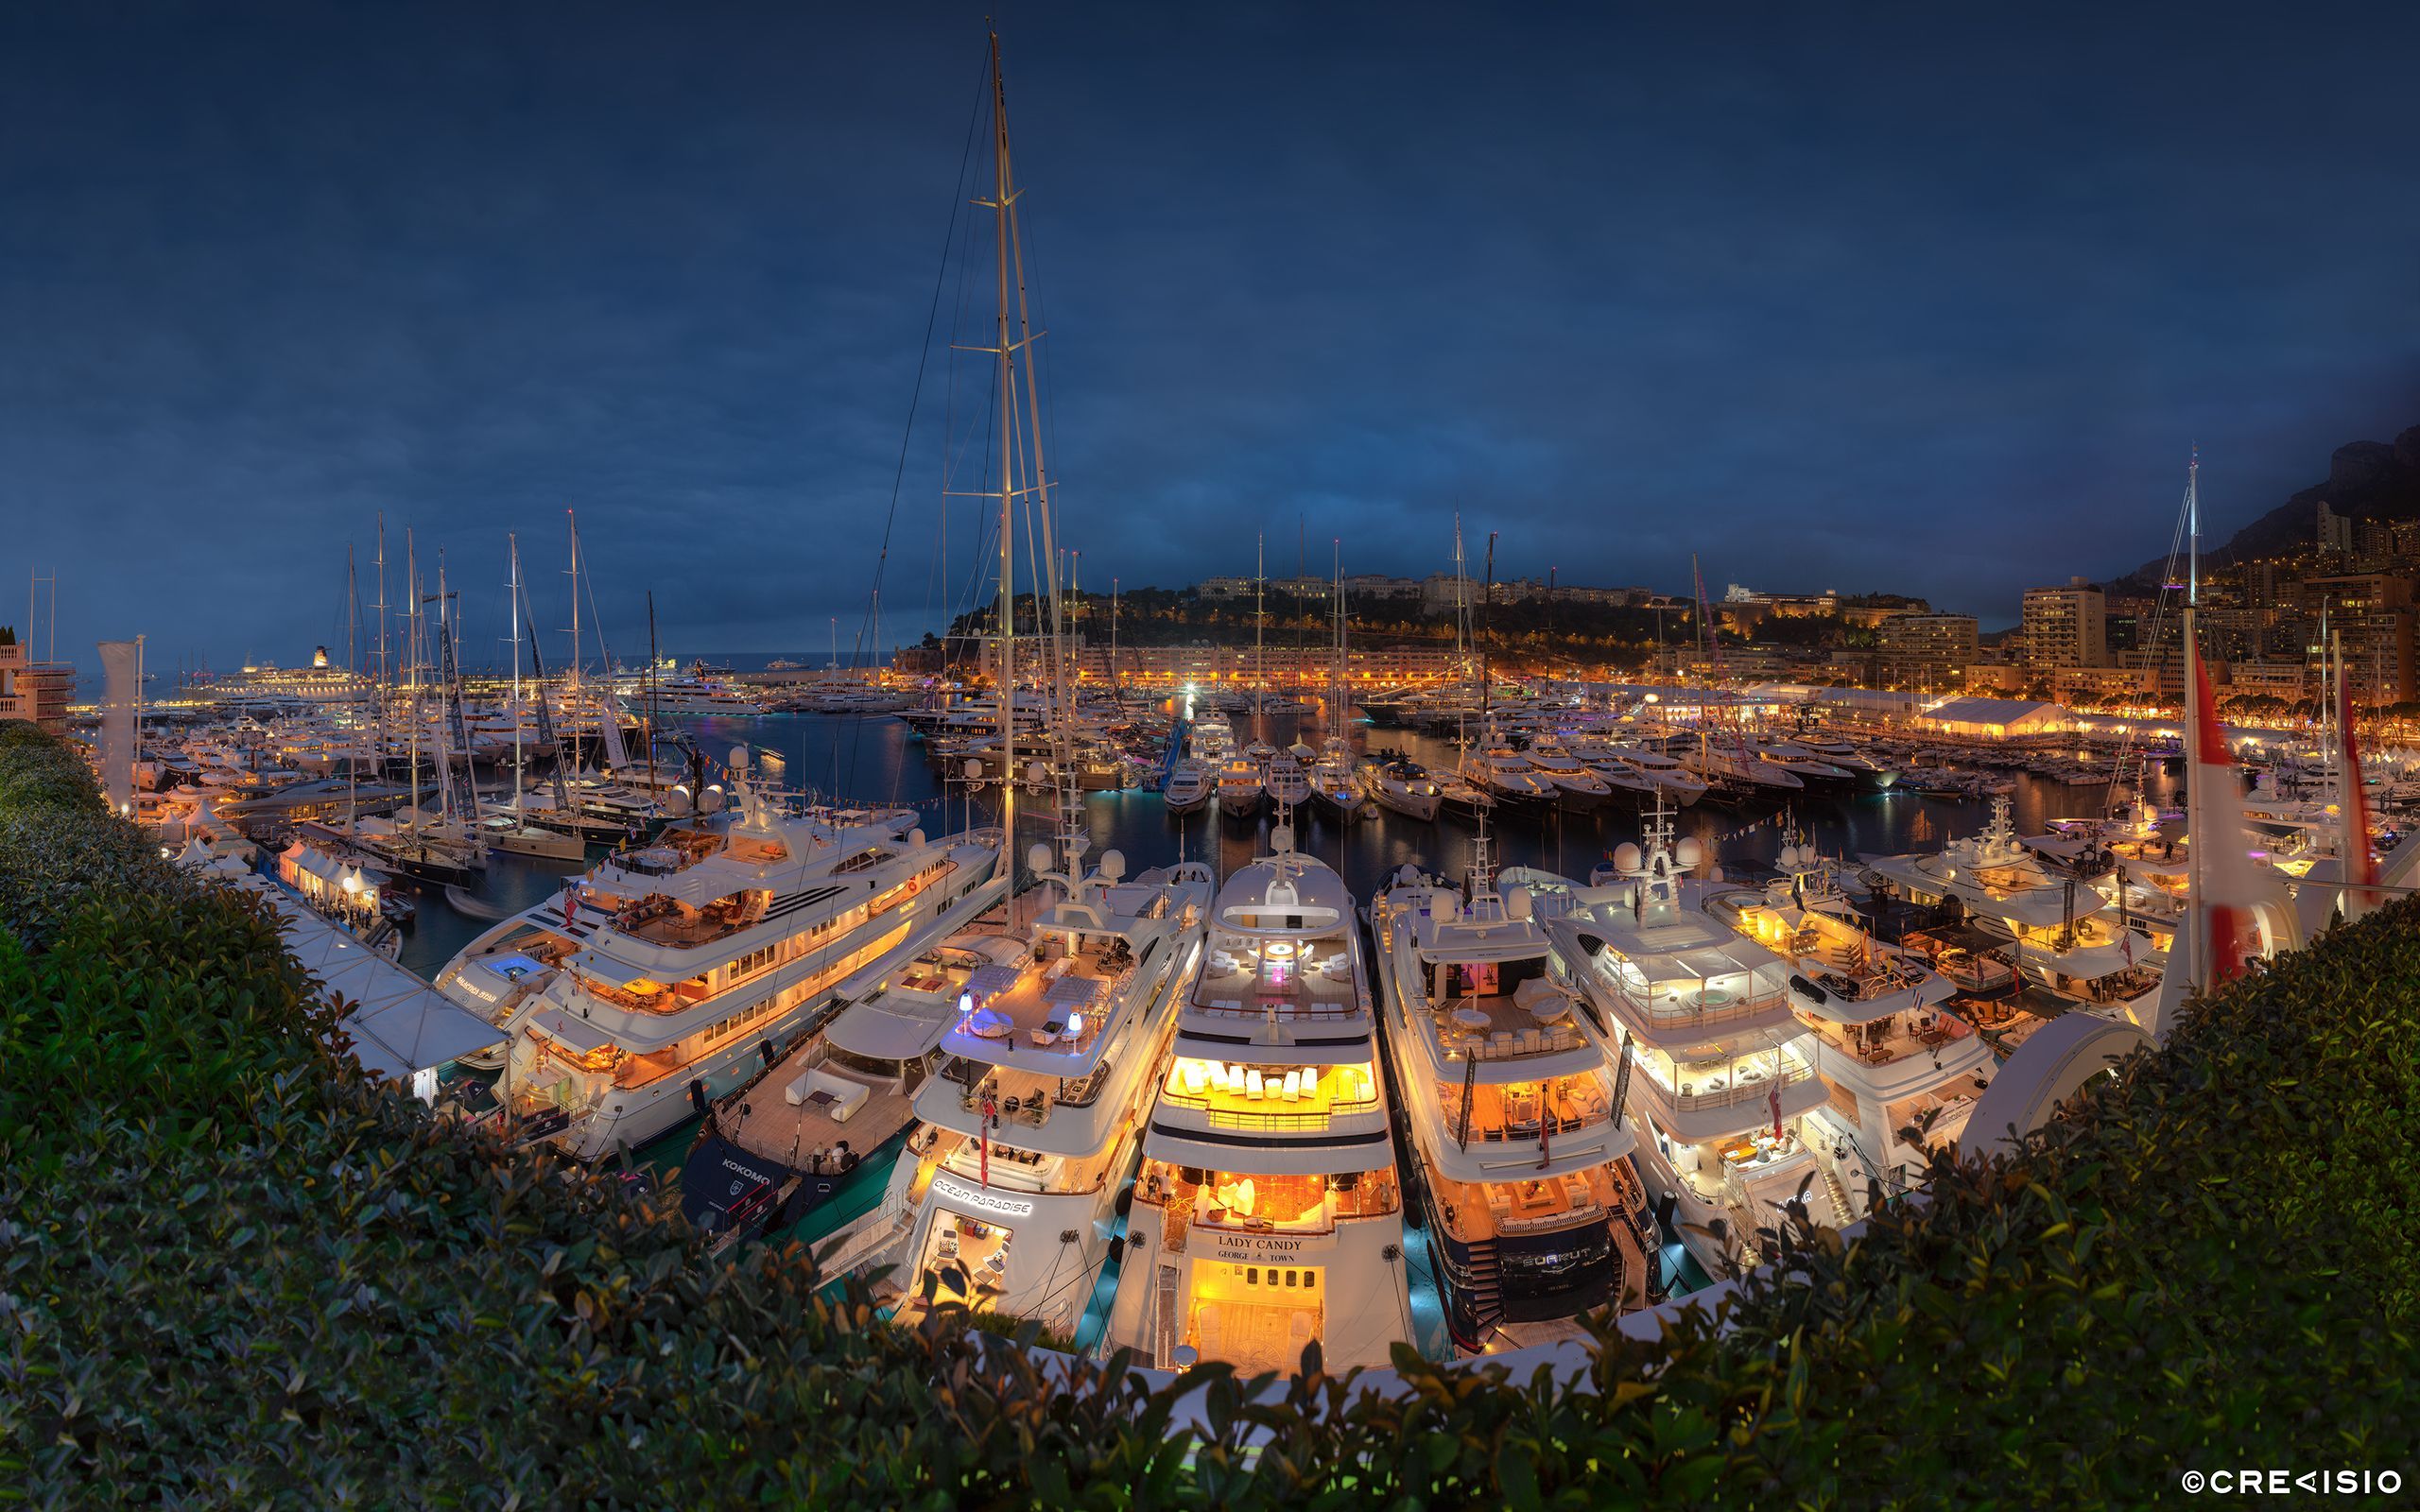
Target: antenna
[(1480, 872), (2193, 525)]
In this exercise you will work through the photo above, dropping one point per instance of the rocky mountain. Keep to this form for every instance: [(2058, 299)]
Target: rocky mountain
[(2366, 480)]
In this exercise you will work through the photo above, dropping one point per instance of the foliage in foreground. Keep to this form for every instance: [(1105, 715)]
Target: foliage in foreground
[(232, 1273)]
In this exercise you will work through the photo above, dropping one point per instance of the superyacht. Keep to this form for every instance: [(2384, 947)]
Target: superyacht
[(1894, 1060), (1518, 1150), (673, 972), (1267, 1214), (1719, 1074), (2056, 923), (1057, 1027)]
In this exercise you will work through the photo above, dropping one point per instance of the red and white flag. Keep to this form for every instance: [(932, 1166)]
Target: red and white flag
[(983, 1146), (2225, 882), (2360, 872)]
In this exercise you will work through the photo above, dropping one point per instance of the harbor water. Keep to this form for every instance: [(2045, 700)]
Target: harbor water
[(874, 761)]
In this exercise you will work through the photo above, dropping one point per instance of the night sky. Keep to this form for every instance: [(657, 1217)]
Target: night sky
[(1845, 298)]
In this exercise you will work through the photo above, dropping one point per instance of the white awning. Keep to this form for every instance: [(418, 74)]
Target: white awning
[(399, 1024), (569, 1029), (879, 1032)]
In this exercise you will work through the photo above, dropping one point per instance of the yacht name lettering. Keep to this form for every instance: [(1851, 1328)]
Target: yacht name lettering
[(1255, 1245)]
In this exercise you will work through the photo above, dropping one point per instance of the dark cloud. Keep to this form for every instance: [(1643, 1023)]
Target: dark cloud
[(1905, 299)]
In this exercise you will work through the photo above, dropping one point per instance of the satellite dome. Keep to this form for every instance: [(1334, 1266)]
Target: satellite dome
[(1518, 905), (915, 837), (973, 768), (1713, 873), (1036, 773), (1281, 838), (1626, 858), (1113, 864), (1038, 857), (1689, 851), (739, 757), (1789, 855)]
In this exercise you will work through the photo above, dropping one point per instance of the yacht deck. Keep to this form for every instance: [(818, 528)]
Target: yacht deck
[(1496, 1028), (1058, 1000), (1313, 980), (768, 1123), (1255, 1336), (1517, 1111), (1886, 1040), (1475, 1214)]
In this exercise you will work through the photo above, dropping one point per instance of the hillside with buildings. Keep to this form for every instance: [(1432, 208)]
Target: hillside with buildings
[(2339, 563), (2372, 489)]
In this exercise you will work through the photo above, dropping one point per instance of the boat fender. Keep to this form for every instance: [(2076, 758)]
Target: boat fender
[(698, 1094)]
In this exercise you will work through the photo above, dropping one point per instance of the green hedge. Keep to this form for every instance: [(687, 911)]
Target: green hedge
[(232, 1273)]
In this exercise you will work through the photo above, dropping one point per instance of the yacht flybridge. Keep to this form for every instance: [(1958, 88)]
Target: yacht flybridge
[(1722, 1072), (1056, 1024), (1268, 1213), (1518, 1149), (671, 974)]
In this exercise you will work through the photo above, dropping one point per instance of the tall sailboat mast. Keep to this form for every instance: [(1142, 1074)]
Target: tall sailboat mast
[(1007, 669), (2193, 528), (412, 622), (520, 703), (1008, 257), (571, 673), (1340, 674), (353, 665), (379, 694)]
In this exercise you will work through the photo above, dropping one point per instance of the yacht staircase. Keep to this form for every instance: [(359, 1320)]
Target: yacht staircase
[(1631, 1236), (1486, 1286), (1163, 1305)]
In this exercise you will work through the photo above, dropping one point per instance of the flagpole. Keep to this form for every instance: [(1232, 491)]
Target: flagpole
[(2196, 834)]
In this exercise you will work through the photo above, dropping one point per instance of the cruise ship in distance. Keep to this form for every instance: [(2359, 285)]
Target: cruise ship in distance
[(1892, 1058), (1519, 1157), (1268, 1212), (689, 694), (1051, 1054), (669, 975), (1720, 1072)]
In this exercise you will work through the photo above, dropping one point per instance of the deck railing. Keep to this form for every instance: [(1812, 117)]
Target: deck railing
[(1746, 1092), (1297, 1120)]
